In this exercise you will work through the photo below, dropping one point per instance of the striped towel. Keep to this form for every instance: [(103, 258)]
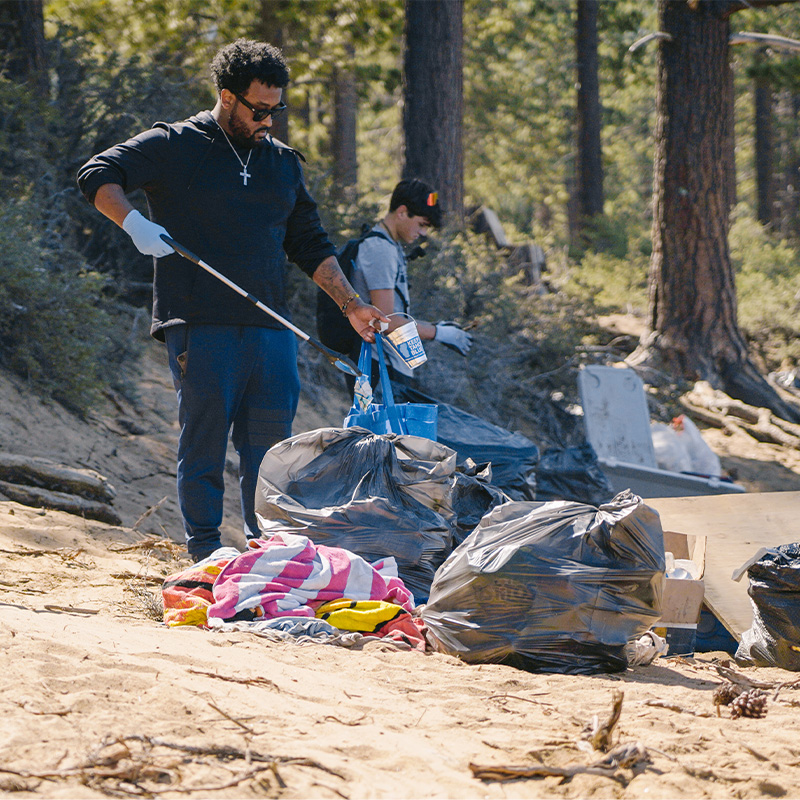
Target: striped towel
[(289, 575)]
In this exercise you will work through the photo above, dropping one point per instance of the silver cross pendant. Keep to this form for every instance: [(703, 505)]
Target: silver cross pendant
[(245, 175)]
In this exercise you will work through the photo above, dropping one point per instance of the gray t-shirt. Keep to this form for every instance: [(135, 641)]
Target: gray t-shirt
[(381, 264)]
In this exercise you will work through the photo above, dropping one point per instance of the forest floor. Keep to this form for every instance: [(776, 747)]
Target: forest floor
[(99, 698)]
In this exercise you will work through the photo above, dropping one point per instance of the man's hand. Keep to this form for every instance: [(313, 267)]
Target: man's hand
[(365, 319), (451, 335), (146, 235)]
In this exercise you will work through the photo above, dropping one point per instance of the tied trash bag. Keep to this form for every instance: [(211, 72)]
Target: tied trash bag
[(773, 639), (375, 495), (551, 587)]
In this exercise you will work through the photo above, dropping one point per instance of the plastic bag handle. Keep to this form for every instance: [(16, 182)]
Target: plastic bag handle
[(388, 397)]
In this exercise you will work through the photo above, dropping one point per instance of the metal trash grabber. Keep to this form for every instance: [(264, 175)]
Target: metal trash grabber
[(342, 363)]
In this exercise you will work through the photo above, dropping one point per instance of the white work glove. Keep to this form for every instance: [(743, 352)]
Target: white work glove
[(146, 235), (451, 335)]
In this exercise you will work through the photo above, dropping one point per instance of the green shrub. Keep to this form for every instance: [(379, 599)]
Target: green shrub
[(53, 329)]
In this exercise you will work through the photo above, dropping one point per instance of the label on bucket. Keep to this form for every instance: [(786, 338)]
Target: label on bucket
[(408, 345)]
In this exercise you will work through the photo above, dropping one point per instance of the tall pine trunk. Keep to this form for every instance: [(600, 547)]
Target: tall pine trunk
[(272, 28), (433, 93), (589, 186), (343, 134), (22, 41), (764, 143), (694, 331)]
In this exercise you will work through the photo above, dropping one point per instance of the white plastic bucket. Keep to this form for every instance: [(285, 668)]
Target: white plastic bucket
[(406, 343)]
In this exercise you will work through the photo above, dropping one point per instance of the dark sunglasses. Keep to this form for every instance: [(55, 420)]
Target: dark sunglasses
[(261, 113)]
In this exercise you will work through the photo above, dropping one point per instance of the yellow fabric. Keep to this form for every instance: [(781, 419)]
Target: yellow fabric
[(358, 615)]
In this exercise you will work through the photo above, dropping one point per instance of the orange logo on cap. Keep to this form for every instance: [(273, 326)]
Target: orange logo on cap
[(433, 198)]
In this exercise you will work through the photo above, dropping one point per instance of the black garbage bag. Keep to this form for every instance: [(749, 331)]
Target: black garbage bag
[(551, 587), (572, 473), (473, 495), (513, 456), (774, 637), (376, 496)]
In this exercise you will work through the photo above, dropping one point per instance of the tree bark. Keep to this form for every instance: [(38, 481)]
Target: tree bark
[(343, 135), (22, 40), (694, 332), (272, 29), (590, 165), (764, 144), (433, 93)]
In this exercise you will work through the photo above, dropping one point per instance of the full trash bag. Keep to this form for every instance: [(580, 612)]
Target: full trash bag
[(551, 587), (375, 495), (774, 637), (513, 456)]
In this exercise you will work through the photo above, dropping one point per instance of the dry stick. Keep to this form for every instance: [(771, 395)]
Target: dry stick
[(229, 752), (740, 679), (517, 697), (249, 681), (600, 735), (355, 722), (31, 552), (675, 707), (235, 721), (624, 756), (150, 511), (71, 609)]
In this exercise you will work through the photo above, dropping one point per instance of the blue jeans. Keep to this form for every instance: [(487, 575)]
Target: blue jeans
[(228, 378)]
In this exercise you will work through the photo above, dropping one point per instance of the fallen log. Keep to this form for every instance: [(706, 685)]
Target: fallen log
[(37, 497), (715, 408), (33, 471)]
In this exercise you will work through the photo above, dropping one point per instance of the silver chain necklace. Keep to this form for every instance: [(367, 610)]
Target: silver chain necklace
[(244, 173)]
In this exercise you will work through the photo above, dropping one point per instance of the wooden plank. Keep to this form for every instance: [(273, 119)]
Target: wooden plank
[(736, 526)]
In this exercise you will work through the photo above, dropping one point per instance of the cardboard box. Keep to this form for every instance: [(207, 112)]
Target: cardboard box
[(683, 598)]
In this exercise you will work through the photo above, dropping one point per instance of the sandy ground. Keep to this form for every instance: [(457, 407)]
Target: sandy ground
[(99, 699)]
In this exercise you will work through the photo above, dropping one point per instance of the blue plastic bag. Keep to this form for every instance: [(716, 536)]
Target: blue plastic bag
[(411, 419)]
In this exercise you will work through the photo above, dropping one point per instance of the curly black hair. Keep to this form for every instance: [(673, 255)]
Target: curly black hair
[(238, 64)]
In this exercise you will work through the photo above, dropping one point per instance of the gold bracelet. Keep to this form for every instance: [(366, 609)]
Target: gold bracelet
[(348, 301)]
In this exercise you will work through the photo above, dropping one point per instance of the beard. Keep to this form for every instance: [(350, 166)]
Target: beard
[(240, 133)]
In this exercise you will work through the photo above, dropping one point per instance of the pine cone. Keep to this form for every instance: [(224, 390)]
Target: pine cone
[(725, 693), (749, 704)]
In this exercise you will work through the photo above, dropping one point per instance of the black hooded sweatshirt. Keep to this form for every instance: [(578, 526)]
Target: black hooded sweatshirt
[(194, 188)]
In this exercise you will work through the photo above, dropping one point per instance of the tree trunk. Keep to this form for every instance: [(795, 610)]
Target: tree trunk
[(433, 92), (343, 135), (764, 144), (589, 163), (22, 40), (272, 29), (694, 332)]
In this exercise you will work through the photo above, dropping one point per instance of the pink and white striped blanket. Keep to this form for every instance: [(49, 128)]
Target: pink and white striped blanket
[(289, 575)]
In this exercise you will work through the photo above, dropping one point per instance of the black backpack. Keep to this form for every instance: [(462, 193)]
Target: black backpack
[(333, 328)]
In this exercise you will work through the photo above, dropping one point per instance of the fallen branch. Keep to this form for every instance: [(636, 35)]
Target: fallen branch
[(265, 682), (677, 708), (716, 408), (627, 756), (150, 511), (599, 735), (59, 501), (34, 471)]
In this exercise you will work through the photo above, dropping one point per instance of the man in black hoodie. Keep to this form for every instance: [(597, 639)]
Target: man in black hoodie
[(219, 184)]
